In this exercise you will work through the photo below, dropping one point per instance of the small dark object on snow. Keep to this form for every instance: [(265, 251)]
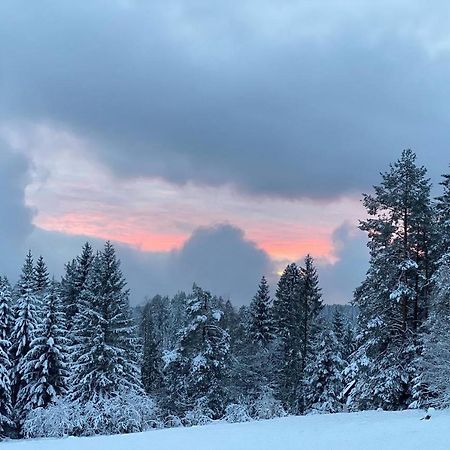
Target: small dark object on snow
[(427, 417)]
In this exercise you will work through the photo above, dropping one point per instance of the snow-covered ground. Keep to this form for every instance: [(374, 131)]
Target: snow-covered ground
[(358, 431)]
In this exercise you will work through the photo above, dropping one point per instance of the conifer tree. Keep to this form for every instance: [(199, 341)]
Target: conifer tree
[(41, 278), (325, 375), (74, 281), (44, 367), (26, 313), (6, 322), (261, 328), (338, 325), (393, 298), (434, 364), (288, 328), (105, 356), (197, 367), (69, 292), (311, 305), (151, 368), (443, 218)]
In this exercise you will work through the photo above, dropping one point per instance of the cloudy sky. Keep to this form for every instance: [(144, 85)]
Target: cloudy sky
[(212, 141)]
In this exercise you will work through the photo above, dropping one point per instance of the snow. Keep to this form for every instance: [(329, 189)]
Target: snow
[(371, 430)]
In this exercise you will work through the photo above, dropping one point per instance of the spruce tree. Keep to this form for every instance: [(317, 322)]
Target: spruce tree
[(325, 380), (261, 328), (197, 367), (44, 367), (151, 368), (26, 313), (105, 356), (6, 322), (69, 292), (74, 281), (288, 328), (338, 325), (41, 278), (311, 305)]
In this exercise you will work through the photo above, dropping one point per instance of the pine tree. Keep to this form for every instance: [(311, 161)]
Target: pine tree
[(393, 298), (106, 352), (26, 313), (44, 367), (197, 367), (261, 328), (325, 381), (6, 322)]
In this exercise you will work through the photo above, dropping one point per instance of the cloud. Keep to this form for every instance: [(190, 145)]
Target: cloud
[(223, 260), (15, 217), (280, 101), (339, 280), (218, 258)]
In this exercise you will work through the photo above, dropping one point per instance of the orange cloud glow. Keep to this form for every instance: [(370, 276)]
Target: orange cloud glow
[(99, 226), (290, 246)]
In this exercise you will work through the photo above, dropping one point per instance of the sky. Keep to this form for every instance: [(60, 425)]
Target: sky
[(212, 141)]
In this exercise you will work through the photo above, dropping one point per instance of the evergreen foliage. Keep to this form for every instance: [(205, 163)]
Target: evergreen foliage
[(105, 356)]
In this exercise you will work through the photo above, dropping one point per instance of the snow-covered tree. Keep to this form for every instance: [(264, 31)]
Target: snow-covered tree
[(74, 281), (434, 365), (26, 313), (261, 327), (196, 368), (41, 278), (296, 318), (151, 366), (6, 322), (324, 381), (105, 355), (393, 298), (288, 329), (443, 218), (310, 307), (44, 367)]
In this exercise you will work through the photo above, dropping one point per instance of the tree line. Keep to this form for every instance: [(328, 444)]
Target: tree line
[(74, 360)]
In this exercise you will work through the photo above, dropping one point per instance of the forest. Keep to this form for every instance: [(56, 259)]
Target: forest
[(76, 359)]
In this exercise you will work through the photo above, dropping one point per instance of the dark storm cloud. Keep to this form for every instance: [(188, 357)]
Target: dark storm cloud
[(217, 258), (278, 102), (15, 217)]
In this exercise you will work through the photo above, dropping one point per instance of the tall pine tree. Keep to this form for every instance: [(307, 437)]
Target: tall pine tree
[(393, 299)]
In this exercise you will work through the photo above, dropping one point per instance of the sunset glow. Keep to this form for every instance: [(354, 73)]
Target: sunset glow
[(123, 231)]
